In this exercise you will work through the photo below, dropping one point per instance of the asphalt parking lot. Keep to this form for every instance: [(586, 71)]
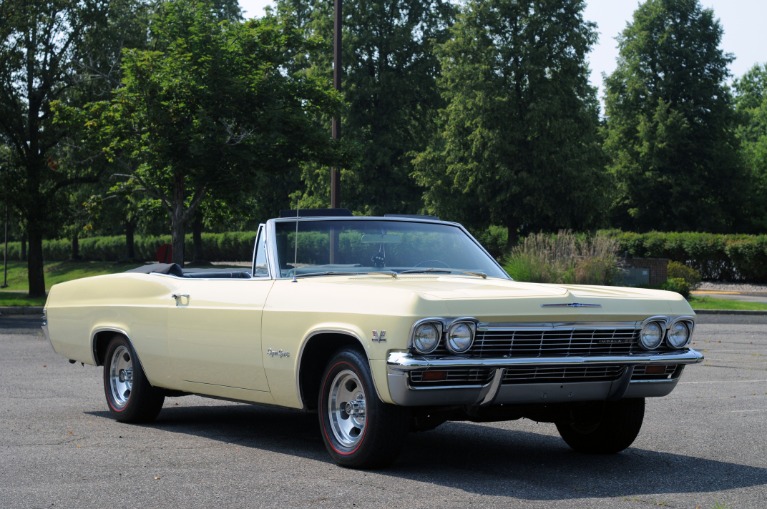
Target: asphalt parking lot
[(701, 447)]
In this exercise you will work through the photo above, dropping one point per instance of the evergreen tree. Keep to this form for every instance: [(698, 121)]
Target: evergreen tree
[(517, 142), (751, 106), (389, 85), (670, 123)]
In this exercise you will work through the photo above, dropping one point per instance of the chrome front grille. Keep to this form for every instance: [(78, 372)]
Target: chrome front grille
[(555, 342), (542, 341), (556, 374), (456, 377)]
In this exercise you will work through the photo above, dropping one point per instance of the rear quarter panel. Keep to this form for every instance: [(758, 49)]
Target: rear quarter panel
[(134, 304)]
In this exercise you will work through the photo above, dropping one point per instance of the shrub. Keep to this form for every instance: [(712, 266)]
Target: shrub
[(564, 258), (678, 285), (690, 276), (749, 258), (494, 239)]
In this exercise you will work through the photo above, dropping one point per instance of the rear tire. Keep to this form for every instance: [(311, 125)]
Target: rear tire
[(358, 429), (603, 429), (129, 395)]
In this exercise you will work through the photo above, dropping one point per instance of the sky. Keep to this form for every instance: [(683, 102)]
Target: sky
[(743, 22)]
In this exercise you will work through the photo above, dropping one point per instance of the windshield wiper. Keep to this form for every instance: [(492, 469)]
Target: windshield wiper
[(433, 270), (426, 271), (329, 273)]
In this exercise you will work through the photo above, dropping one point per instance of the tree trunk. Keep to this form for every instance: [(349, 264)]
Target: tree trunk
[(130, 239), (513, 238), (197, 238), (75, 247), (36, 272), (35, 208)]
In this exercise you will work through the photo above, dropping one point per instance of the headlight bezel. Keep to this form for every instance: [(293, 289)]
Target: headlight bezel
[(688, 325), (451, 344), (436, 325), (456, 335), (656, 324)]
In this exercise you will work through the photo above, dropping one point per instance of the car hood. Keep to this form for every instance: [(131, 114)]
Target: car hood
[(499, 299)]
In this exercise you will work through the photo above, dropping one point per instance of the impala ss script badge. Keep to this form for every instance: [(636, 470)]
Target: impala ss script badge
[(277, 353), (571, 305)]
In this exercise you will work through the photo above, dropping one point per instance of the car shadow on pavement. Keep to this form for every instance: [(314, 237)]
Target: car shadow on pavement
[(536, 466), (475, 458)]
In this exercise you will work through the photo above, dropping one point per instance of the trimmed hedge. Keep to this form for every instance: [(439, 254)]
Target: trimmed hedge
[(230, 246), (718, 257)]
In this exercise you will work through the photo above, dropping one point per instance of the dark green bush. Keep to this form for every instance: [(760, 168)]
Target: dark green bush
[(717, 257), (749, 258), (678, 285), (678, 270), (494, 239)]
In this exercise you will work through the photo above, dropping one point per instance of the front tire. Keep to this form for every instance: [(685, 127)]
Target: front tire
[(129, 395), (358, 429), (603, 429)]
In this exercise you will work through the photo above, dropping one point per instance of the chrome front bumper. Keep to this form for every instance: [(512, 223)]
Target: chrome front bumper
[(402, 392)]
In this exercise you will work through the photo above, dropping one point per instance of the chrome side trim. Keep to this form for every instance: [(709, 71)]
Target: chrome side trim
[(98, 330), (571, 305)]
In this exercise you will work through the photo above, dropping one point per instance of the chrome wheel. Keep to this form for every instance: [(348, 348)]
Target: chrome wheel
[(121, 376), (359, 430), (130, 396), (346, 408)]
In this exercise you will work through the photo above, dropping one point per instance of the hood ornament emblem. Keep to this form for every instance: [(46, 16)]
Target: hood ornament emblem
[(571, 305)]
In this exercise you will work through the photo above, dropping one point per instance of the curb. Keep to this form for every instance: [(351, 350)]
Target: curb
[(729, 312), (21, 310)]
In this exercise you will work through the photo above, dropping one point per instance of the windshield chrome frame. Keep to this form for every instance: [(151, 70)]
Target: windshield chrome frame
[(270, 230)]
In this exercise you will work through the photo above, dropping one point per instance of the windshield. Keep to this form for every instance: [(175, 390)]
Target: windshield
[(328, 247)]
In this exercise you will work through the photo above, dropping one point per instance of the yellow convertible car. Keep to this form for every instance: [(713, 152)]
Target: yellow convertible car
[(380, 325)]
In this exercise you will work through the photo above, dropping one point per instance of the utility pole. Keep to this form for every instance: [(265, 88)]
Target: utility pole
[(335, 172)]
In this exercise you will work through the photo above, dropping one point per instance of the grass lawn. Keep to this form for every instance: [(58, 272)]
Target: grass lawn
[(709, 303), (56, 272)]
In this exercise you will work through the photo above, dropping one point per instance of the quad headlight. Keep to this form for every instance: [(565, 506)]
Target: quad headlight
[(679, 334), (460, 336), (676, 332), (454, 335), (426, 336), (651, 335)]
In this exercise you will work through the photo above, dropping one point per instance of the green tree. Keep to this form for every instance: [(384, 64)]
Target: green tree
[(49, 51), (669, 127), (517, 142), (751, 106), (389, 84), (209, 109)]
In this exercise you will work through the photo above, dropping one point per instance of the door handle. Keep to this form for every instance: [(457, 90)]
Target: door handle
[(182, 299)]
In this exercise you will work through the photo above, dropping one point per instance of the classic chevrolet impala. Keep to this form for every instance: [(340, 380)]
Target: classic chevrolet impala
[(380, 325)]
